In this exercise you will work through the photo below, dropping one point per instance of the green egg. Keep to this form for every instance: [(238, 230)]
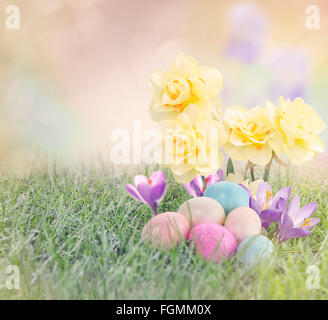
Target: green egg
[(253, 249)]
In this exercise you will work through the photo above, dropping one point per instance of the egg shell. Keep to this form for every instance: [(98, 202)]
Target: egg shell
[(230, 195), (213, 242), (166, 229), (243, 222), (253, 249), (202, 209)]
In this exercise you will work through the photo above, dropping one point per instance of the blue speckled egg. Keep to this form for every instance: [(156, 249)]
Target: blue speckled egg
[(253, 249), (230, 195)]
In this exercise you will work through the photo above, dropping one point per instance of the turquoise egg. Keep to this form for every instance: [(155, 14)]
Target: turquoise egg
[(253, 249), (230, 195)]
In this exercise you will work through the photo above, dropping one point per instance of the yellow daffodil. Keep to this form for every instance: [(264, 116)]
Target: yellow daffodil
[(239, 178), (250, 131), (185, 83), (297, 125), (190, 145)]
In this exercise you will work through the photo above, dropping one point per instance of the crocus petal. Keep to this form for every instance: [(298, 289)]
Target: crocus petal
[(158, 191), (269, 216), (254, 204), (145, 191), (197, 187), (283, 193), (253, 186), (294, 233), (140, 179), (133, 192), (212, 179), (157, 177), (285, 223), (261, 195), (221, 174), (305, 213), (313, 222), (308, 224), (293, 207), (281, 205)]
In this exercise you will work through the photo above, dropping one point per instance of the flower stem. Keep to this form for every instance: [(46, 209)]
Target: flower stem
[(252, 173), (276, 239), (266, 174), (267, 170)]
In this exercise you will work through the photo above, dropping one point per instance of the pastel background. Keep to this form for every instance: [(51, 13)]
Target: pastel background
[(76, 70)]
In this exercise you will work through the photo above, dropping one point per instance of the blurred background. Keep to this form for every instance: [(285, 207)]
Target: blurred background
[(76, 70)]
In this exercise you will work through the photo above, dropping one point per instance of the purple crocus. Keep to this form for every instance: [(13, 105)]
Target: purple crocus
[(296, 222), (150, 191), (269, 208), (196, 187)]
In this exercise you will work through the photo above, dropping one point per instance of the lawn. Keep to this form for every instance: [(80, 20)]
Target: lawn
[(75, 234)]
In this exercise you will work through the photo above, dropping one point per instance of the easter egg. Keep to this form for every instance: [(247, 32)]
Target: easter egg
[(243, 222), (253, 249), (230, 195), (213, 242), (166, 229), (202, 209)]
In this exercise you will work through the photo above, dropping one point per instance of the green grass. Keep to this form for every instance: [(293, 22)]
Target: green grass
[(75, 234)]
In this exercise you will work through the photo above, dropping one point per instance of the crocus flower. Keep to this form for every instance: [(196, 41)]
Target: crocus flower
[(196, 187), (296, 222), (269, 208), (150, 191)]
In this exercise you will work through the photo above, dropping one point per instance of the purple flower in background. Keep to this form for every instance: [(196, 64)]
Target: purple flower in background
[(296, 222), (150, 191), (196, 187), (248, 26), (269, 208), (291, 68)]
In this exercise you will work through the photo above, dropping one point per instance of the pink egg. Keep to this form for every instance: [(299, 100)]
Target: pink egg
[(213, 241), (166, 229), (243, 222)]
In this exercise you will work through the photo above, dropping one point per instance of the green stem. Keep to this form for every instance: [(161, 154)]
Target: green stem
[(267, 170), (252, 174), (266, 174)]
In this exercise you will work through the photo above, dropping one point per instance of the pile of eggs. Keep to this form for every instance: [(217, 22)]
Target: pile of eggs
[(220, 224)]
